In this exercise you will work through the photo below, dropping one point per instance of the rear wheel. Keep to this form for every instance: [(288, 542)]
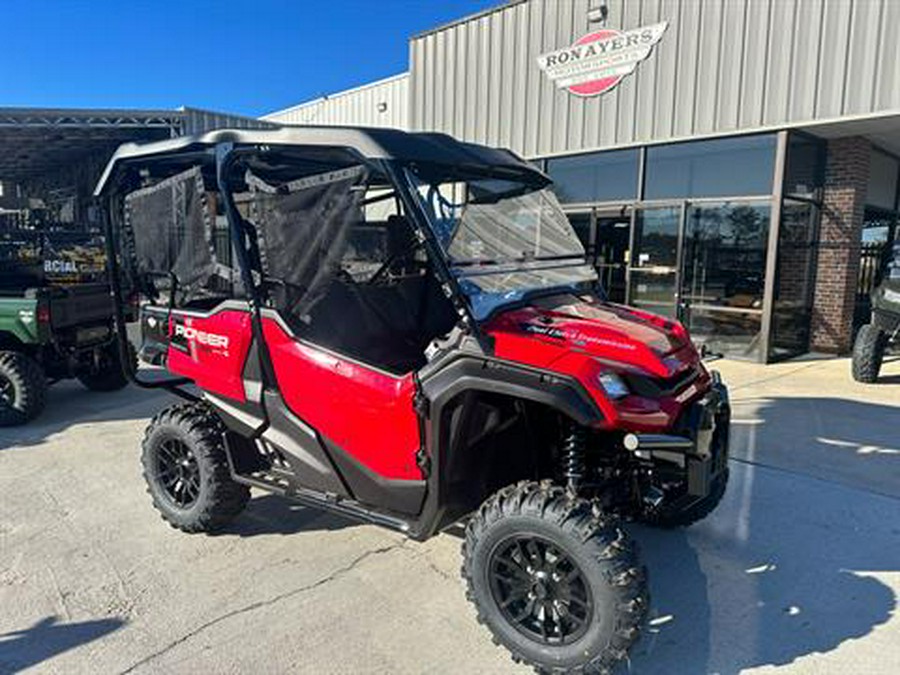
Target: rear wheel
[(107, 373), (868, 353), (187, 471), (557, 583), (23, 388)]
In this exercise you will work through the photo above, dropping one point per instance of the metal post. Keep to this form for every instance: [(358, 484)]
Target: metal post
[(772, 246), (630, 263), (679, 261)]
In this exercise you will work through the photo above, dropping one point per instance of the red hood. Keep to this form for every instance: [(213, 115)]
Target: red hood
[(610, 333)]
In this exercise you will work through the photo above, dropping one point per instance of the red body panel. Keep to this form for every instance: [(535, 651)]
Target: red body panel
[(370, 414), (367, 413), (212, 350), (584, 339)]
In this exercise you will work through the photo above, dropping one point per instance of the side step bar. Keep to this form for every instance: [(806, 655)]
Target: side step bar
[(333, 503)]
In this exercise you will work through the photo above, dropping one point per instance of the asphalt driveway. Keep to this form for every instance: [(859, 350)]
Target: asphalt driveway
[(797, 572)]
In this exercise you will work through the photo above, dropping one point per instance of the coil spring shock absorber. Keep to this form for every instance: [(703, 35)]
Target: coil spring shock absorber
[(574, 456)]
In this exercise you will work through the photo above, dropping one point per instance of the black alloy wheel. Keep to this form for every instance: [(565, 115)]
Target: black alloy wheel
[(178, 473), (187, 471), (554, 578), (540, 590)]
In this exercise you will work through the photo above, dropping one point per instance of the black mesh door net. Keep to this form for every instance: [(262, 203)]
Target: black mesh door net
[(303, 228), (169, 229)]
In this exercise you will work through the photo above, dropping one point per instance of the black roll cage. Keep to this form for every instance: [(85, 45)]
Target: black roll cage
[(227, 155)]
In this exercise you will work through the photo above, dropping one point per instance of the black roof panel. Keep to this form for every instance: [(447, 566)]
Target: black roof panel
[(370, 143)]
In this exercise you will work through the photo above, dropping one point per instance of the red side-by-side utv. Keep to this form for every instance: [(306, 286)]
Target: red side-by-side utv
[(403, 328)]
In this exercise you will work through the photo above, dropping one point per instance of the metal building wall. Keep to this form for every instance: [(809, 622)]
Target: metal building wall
[(197, 121), (721, 66), (357, 107)]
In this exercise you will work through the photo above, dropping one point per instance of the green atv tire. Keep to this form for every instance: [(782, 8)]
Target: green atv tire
[(23, 388)]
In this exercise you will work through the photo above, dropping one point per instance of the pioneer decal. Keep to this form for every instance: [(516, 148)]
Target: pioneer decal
[(598, 61), (204, 338), (183, 337)]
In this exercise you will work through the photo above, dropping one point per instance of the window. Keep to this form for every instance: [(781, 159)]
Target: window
[(804, 172), (598, 177), (883, 172), (717, 168), (795, 270)]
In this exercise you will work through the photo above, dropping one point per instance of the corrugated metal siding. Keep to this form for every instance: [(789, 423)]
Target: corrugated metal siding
[(359, 107), (722, 66), (197, 121)]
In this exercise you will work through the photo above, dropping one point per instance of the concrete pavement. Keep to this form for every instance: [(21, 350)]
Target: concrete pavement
[(797, 572)]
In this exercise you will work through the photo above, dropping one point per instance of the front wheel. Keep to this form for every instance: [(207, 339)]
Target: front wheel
[(23, 389), (187, 470), (557, 583), (868, 353)]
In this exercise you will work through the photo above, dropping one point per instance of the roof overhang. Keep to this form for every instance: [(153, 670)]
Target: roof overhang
[(34, 141), (882, 129)]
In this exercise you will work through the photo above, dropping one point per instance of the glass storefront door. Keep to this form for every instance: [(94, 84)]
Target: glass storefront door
[(723, 271), (613, 239), (606, 236), (583, 224), (653, 273), (704, 264)]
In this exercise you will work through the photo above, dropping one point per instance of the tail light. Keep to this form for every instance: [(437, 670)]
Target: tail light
[(43, 314)]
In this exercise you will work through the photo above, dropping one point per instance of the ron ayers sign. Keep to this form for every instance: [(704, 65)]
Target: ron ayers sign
[(598, 61)]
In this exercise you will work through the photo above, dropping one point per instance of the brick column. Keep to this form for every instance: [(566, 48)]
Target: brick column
[(840, 232)]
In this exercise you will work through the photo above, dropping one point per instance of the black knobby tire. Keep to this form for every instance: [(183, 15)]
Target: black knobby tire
[(23, 388), (186, 442), (868, 353), (594, 617), (109, 375), (679, 514)]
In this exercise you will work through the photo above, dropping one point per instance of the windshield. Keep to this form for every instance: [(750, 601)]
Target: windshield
[(503, 238)]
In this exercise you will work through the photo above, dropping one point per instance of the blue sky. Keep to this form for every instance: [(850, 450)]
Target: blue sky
[(247, 57)]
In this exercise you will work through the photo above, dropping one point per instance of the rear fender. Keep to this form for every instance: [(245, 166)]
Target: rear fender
[(19, 321)]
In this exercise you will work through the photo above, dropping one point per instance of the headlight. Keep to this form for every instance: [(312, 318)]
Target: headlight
[(613, 385)]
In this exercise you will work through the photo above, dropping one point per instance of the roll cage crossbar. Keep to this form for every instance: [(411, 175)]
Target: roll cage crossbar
[(227, 153)]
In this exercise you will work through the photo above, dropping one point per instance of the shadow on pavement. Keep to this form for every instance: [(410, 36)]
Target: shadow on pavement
[(851, 442), (273, 514), (45, 639), (68, 404), (785, 568), (888, 379)]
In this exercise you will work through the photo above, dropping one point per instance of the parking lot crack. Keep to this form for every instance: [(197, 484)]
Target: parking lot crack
[(336, 574)]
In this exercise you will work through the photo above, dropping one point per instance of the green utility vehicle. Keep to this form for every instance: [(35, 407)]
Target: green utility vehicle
[(56, 315), (876, 337)]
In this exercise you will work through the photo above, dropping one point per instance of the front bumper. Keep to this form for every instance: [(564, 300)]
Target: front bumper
[(700, 443)]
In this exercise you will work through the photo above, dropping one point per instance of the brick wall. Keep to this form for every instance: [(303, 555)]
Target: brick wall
[(846, 180)]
